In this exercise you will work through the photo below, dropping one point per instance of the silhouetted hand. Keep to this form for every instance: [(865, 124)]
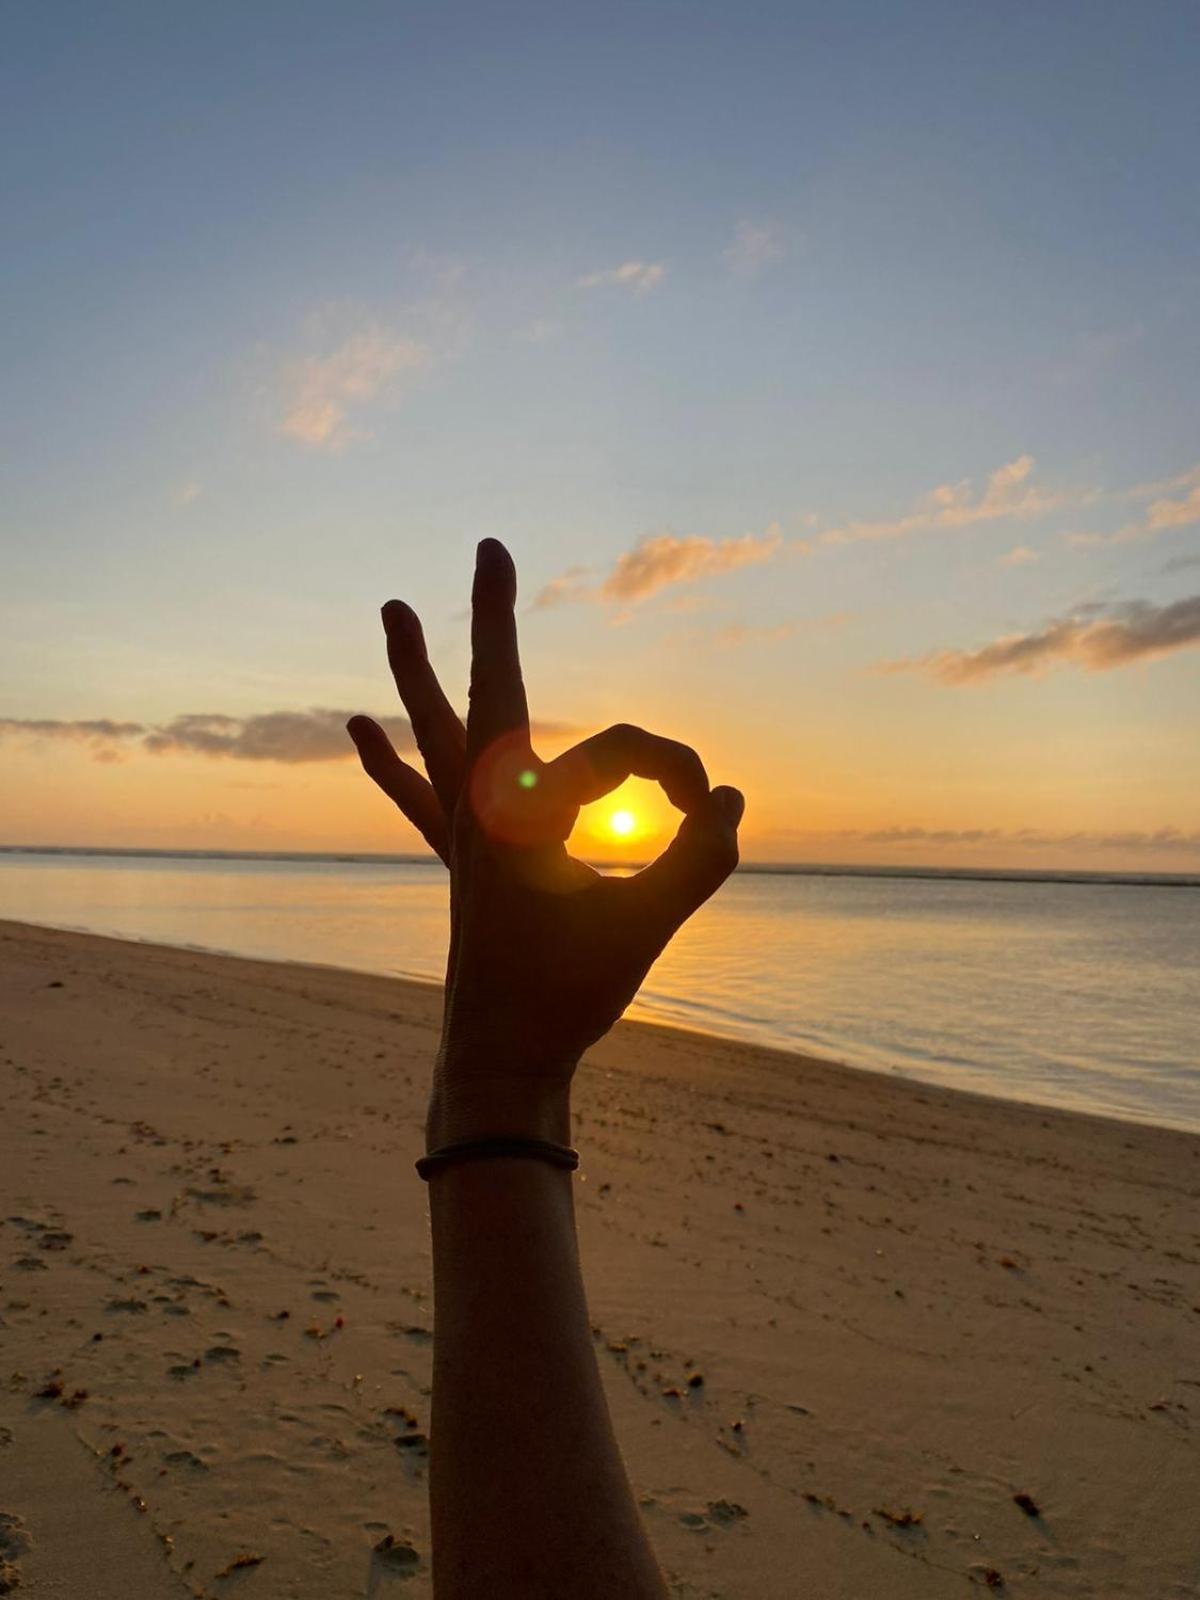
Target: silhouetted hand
[(545, 953)]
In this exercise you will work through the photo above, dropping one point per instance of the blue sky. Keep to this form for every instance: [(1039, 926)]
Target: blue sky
[(301, 301)]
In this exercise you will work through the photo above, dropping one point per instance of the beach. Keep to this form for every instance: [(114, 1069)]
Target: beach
[(861, 1337)]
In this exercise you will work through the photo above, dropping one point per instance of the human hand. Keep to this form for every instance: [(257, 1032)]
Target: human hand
[(545, 953)]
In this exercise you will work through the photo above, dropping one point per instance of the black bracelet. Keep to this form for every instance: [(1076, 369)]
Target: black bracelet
[(559, 1155)]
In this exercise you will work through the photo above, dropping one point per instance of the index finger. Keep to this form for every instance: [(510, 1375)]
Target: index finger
[(497, 695), (598, 765)]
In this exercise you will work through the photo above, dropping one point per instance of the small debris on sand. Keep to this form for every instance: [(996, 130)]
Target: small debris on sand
[(900, 1519), (726, 1511)]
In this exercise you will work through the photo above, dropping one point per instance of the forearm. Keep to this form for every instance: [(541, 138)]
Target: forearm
[(529, 1496)]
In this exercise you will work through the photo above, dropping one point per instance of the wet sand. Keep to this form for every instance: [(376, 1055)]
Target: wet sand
[(861, 1338)]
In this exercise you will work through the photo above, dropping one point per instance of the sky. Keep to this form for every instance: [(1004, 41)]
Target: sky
[(832, 373)]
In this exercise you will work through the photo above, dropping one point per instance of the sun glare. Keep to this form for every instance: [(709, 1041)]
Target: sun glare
[(622, 823)]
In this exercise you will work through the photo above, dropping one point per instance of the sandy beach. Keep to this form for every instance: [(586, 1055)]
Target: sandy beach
[(861, 1338)]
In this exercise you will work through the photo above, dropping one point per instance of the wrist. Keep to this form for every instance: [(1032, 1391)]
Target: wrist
[(461, 1110)]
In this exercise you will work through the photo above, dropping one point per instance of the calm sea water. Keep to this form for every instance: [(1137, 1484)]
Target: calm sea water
[(1074, 994)]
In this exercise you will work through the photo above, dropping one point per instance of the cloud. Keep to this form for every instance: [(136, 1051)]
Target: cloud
[(321, 391), (1182, 563), (104, 737), (660, 562), (1161, 486), (755, 247), (1007, 493), (1128, 534), (186, 494), (1162, 514), (288, 737), (657, 563), (292, 737), (1097, 639), (640, 277), (569, 585), (1019, 556)]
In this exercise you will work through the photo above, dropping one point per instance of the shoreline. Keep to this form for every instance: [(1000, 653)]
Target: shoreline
[(917, 1303), (699, 1036)]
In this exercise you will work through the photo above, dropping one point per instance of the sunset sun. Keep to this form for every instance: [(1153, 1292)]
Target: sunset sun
[(622, 824)]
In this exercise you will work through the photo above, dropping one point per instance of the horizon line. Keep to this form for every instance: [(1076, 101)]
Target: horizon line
[(1082, 875)]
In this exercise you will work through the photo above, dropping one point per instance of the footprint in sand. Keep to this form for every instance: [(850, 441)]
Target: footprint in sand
[(412, 1331), (716, 1514), (172, 1308), (14, 1543), (223, 1352), (391, 1558)]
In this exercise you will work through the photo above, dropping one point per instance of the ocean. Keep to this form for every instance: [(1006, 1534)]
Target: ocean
[(1080, 992)]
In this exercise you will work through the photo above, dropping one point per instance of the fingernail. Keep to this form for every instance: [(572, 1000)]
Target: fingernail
[(731, 803)]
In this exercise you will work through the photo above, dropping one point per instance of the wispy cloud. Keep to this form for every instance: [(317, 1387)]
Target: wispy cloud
[(1182, 563), (288, 737), (756, 246), (1097, 639), (321, 392), (1007, 493), (640, 277), (1019, 556), (661, 562), (1163, 515), (1161, 486), (186, 494), (569, 585)]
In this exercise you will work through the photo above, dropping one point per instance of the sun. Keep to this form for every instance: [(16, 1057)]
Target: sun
[(622, 823)]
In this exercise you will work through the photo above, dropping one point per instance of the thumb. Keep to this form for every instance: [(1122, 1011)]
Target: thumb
[(697, 861)]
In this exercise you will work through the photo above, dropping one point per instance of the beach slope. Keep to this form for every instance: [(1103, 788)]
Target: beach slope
[(861, 1338)]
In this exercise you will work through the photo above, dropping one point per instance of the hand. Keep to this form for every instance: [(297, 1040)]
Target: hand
[(545, 953)]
